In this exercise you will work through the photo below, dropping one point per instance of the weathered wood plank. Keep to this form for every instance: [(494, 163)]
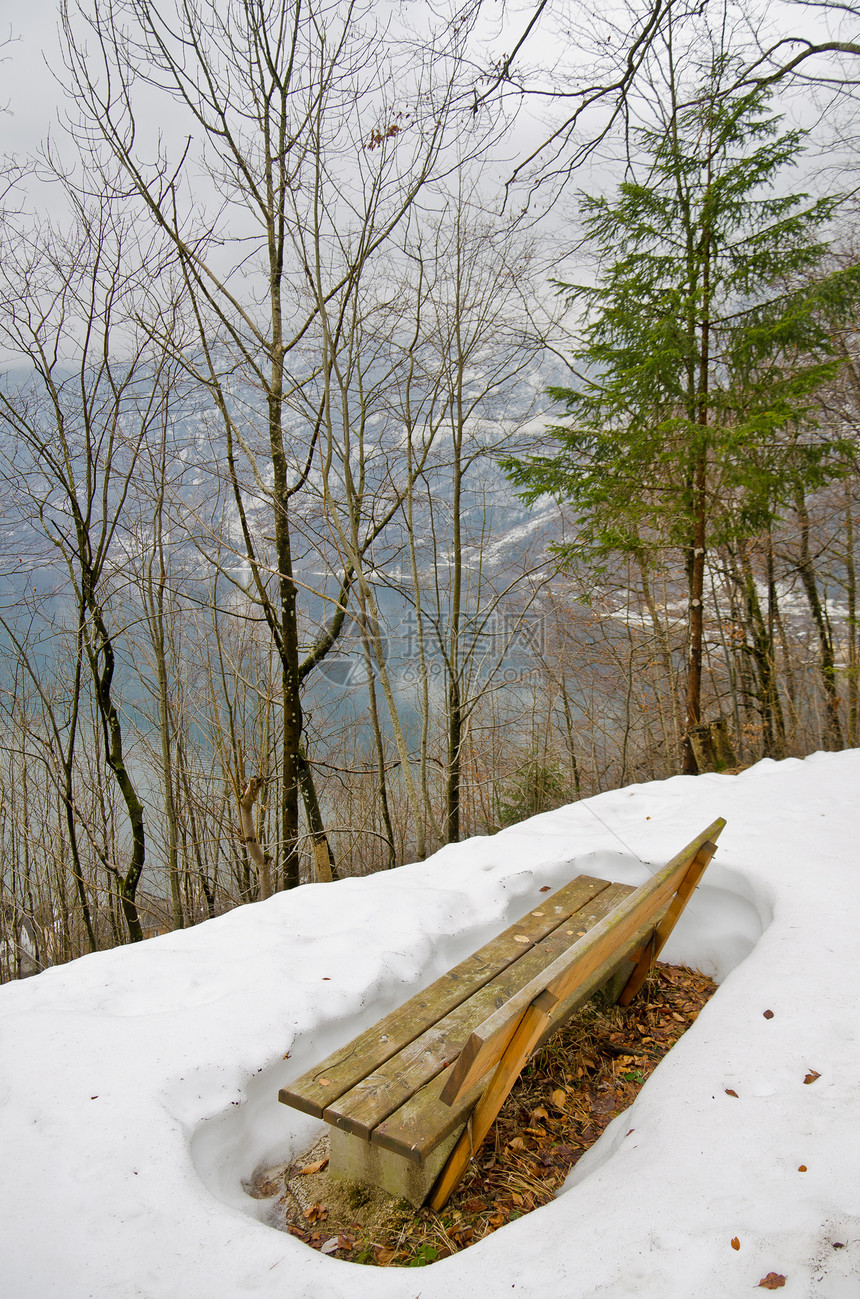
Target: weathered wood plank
[(602, 975), (314, 1090), (667, 923), (423, 1123), (488, 1042), (384, 1090), (531, 1026)]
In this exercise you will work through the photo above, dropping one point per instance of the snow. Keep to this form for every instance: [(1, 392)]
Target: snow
[(138, 1086)]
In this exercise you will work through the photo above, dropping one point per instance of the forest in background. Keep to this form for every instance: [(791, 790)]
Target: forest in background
[(342, 520)]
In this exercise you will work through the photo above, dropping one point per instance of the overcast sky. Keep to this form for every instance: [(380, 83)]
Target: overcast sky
[(29, 90), (33, 99)]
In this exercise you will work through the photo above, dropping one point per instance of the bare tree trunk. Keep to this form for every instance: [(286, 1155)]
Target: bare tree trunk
[(101, 657), (370, 614), (697, 613), (249, 835), (773, 676), (661, 634), (851, 591), (833, 738), (155, 582), (568, 726), (770, 708), (379, 748), (325, 867), (696, 561)]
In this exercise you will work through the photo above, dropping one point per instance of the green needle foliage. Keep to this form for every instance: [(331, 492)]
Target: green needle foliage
[(705, 339), (708, 334)]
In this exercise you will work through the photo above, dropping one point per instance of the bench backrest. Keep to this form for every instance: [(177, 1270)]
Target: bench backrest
[(487, 1043)]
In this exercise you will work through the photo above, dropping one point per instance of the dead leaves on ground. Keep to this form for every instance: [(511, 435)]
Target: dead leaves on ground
[(576, 1084), (316, 1212), (773, 1281), (315, 1167)]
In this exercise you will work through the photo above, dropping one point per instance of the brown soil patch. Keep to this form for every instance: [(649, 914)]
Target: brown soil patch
[(570, 1091)]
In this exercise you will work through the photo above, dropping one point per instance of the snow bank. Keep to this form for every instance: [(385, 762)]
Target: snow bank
[(138, 1087)]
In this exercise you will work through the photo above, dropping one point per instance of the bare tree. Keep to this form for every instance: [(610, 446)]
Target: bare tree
[(314, 135), (74, 433), (589, 86)]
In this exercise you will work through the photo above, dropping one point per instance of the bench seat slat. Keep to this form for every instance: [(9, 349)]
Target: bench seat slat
[(387, 1088), (423, 1123), (319, 1087)]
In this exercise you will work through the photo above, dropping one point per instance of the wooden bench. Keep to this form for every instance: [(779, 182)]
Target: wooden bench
[(411, 1099)]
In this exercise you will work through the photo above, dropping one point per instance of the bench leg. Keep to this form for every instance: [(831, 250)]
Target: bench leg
[(526, 1037), (353, 1159)]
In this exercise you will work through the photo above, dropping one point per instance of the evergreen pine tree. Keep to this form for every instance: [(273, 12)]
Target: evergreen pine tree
[(704, 341)]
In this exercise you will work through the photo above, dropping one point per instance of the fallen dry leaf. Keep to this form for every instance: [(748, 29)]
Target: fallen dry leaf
[(314, 1168), (315, 1212), (736, 1244), (811, 1076), (559, 1099), (545, 889), (324, 1082), (802, 1168), (773, 1281), (730, 1092), (521, 938), (768, 1014)]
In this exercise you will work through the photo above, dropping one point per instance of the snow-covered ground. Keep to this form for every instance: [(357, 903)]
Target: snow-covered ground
[(138, 1087)]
